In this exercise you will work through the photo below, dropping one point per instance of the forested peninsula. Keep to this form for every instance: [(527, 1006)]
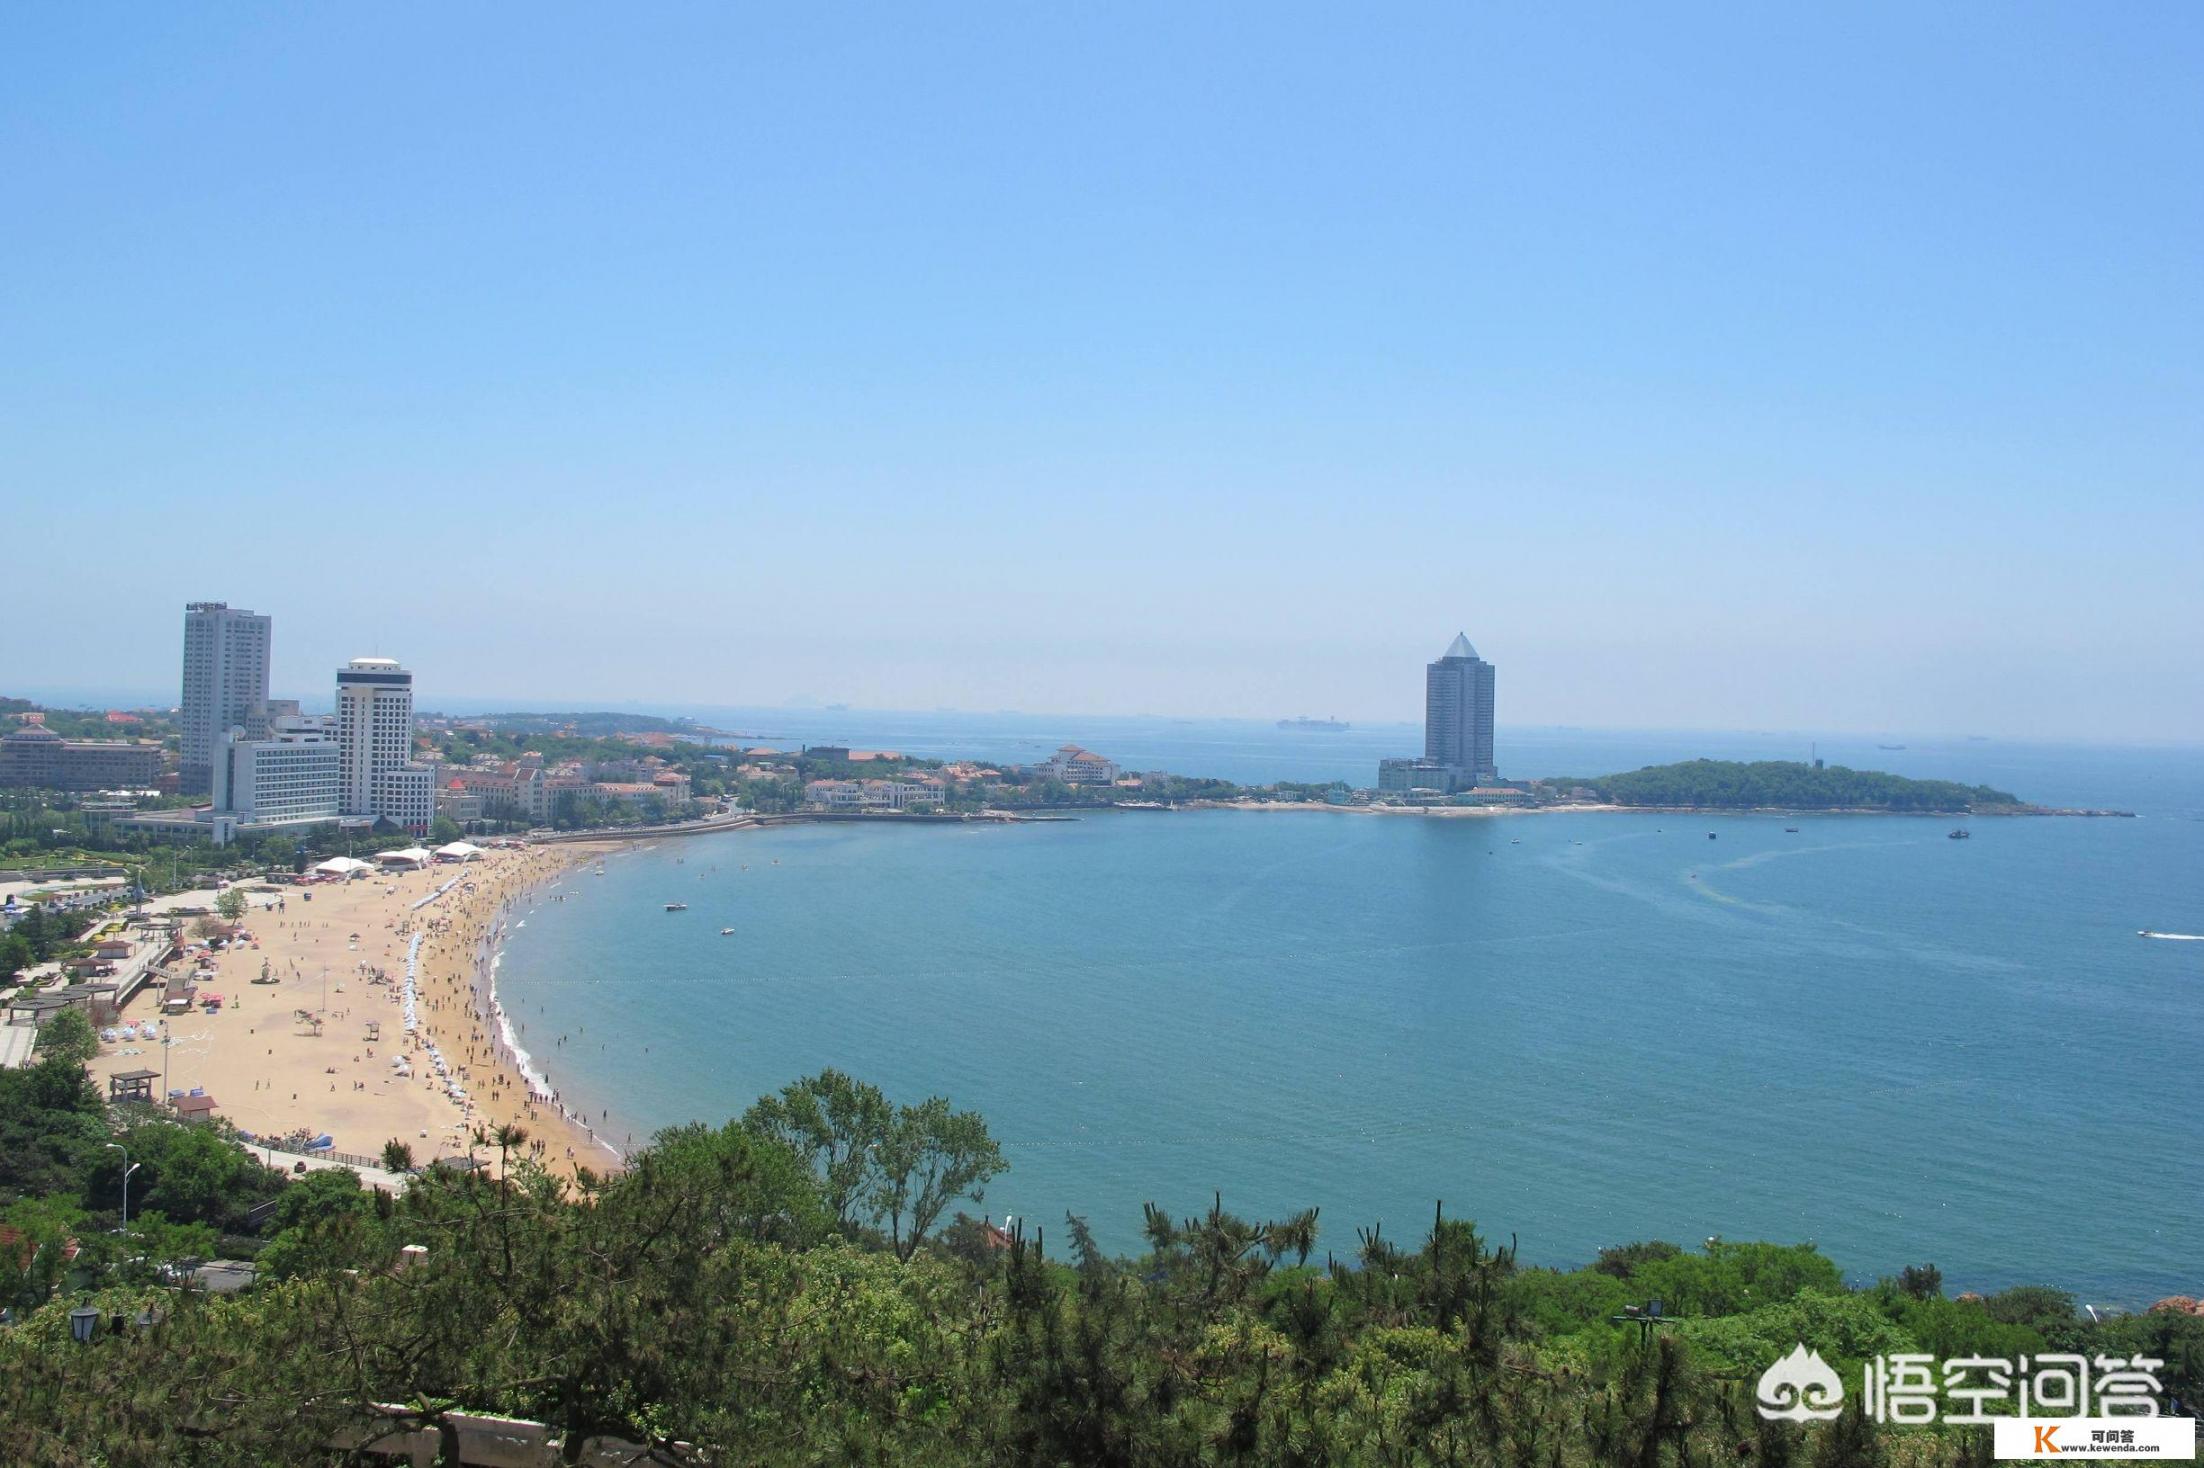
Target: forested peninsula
[(1706, 784)]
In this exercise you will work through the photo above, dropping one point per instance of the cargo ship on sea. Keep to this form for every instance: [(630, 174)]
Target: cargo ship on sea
[(1319, 726)]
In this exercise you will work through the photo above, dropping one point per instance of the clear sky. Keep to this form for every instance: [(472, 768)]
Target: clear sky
[(1834, 367)]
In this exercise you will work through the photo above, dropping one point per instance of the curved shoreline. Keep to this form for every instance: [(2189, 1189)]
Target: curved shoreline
[(513, 1058), (460, 945)]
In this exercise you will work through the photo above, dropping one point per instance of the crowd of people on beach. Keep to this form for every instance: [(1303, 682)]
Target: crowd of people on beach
[(474, 930), (444, 1060)]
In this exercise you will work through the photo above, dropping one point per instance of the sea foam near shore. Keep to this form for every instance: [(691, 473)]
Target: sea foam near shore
[(506, 1035)]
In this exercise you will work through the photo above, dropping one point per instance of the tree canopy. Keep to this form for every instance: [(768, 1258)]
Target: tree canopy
[(774, 1291)]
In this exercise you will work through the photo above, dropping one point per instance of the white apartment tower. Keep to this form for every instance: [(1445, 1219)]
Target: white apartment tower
[(375, 737), (225, 685)]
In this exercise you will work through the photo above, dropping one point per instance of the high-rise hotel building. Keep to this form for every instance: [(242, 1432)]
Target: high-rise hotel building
[(1457, 711), (1457, 727), (375, 738), (225, 685)]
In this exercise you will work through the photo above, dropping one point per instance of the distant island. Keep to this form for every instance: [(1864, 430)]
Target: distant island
[(1706, 784), (1690, 785), (598, 724)]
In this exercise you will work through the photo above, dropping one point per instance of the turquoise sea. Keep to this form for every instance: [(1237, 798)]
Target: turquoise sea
[(1577, 1029)]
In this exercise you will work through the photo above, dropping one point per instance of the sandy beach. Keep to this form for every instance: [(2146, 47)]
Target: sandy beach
[(342, 957)]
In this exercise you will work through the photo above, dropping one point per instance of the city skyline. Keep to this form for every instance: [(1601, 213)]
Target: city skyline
[(464, 703)]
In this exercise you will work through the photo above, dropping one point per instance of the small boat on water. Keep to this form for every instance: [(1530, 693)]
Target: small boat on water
[(1710, 835), (677, 907), (1790, 830), (726, 932), (1958, 833)]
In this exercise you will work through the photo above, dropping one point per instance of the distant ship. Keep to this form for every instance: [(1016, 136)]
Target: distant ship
[(1316, 726), (1890, 746)]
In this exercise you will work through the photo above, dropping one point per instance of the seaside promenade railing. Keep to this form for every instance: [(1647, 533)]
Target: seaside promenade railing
[(349, 1159)]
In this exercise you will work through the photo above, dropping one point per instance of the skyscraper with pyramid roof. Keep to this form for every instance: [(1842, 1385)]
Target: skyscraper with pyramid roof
[(1457, 714)]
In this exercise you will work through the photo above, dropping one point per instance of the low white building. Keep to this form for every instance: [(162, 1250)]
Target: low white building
[(293, 777), (873, 794), (911, 794), (199, 824)]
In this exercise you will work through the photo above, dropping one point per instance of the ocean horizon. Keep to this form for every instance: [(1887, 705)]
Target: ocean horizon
[(1579, 1029)]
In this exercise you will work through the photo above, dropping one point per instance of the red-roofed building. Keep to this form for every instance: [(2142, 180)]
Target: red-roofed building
[(1076, 766)]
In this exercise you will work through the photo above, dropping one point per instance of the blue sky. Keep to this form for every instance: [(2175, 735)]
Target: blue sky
[(1716, 367)]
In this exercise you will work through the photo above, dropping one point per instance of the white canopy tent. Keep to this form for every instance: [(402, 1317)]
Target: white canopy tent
[(412, 856), (343, 866), (458, 851)]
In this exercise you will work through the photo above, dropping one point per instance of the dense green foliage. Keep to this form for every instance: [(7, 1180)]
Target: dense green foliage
[(38, 830), (878, 1163), (1783, 785), (36, 937), (55, 1136), (747, 1290)]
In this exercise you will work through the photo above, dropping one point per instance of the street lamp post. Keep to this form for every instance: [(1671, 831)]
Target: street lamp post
[(128, 1167)]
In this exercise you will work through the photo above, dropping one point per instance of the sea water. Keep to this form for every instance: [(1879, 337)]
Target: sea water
[(1577, 1029)]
